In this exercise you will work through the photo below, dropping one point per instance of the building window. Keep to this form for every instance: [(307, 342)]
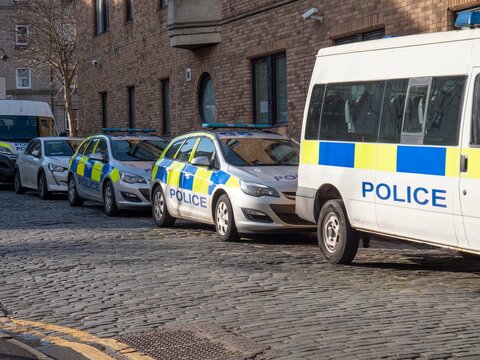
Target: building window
[(129, 10), (166, 129), (104, 99), (21, 35), (370, 35), (270, 90), (477, 9), (131, 106), (101, 16), (75, 119), (24, 80), (164, 3), (207, 99)]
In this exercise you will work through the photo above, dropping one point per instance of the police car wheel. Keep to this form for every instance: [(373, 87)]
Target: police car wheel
[(224, 220), (160, 213), (109, 201), (73, 198), (17, 183), (337, 240), (42, 187)]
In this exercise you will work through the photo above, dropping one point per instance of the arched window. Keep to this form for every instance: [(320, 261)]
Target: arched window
[(206, 100)]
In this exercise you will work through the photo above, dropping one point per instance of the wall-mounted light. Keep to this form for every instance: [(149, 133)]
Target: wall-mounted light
[(313, 14), (188, 74), (4, 56)]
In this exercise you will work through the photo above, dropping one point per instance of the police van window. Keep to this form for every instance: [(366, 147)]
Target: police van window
[(170, 154), (313, 116), (392, 111), (444, 110), (90, 147), (415, 109), (186, 150), (476, 113), (351, 112)]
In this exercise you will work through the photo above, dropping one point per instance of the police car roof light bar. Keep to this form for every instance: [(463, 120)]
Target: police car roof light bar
[(469, 19), (127, 130), (235, 126)]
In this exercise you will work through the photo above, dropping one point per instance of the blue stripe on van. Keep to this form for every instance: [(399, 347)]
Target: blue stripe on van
[(421, 160), (337, 154)]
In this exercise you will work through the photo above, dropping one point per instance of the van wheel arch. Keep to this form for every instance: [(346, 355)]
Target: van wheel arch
[(325, 193)]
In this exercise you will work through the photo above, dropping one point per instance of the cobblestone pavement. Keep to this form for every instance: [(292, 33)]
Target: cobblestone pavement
[(112, 276)]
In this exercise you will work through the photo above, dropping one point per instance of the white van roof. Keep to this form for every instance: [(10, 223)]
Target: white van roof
[(25, 107), (401, 41)]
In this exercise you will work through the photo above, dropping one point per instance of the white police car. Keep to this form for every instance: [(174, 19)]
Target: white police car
[(243, 181), (114, 169)]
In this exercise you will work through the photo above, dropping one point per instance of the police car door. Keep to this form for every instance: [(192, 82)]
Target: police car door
[(96, 168), (86, 186), (180, 178), (470, 170), (197, 179)]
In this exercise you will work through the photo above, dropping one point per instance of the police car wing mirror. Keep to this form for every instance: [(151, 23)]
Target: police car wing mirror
[(201, 161), (36, 153), (98, 156)]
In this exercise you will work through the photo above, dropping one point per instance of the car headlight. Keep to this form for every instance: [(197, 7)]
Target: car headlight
[(56, 168), (257, 189), (5, 150), (132, 178)]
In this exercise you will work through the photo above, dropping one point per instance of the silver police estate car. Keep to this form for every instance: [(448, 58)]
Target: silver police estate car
[(115, 170), (241, 181), (44, 164)]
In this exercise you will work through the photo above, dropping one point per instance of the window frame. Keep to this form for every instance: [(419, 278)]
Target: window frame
[(104, 108), (131, 98), (18, 78), (65, 119), (128, 11), (166, 124), (203, 84), (102, 16), (272, 89), (17, 43), (361, 36)]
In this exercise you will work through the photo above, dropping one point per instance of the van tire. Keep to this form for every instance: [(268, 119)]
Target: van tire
[(160, 213), (17, 183), (73, 198), (337, 240)]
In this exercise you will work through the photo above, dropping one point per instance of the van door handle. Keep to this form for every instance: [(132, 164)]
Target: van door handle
[(463, 163)]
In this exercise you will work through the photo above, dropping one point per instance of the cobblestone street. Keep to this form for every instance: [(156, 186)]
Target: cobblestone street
[(77, 268)]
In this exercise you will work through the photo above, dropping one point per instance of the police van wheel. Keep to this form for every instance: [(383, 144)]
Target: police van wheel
[(42, 187), (160, 213), (73, 198), (337, 240), (109, 201), (469, 256), (17, 183), (224, 220)]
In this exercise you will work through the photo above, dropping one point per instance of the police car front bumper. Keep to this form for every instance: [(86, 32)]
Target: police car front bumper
[(266, 214), (132, 196)]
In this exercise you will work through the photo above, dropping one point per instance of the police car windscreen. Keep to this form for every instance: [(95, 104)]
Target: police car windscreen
[(138, 150), (18, 128), (260, 152), (61, 147)]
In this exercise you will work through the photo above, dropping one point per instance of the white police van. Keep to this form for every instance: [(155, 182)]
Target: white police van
[(391, 142)]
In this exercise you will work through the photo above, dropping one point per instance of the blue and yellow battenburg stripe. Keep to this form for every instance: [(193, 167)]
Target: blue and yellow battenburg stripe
[(193, 178), (411, 159), (96, 172)]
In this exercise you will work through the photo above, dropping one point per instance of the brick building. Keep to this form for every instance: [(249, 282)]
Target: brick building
[(172, 65)]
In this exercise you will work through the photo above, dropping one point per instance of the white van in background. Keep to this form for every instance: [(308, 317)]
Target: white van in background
[(391, 143), (20, 122)]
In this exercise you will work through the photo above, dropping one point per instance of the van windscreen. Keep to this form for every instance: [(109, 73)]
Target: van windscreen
[(24, 128)]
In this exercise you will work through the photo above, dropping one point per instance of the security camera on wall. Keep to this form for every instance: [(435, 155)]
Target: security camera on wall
[(312, 13)]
